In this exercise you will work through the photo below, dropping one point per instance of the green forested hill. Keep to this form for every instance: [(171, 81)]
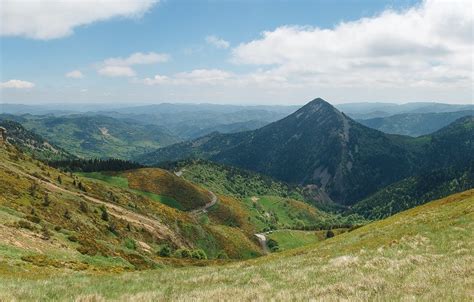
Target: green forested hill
[(319, 145), (414, 124), (32, 143), (98, 136)]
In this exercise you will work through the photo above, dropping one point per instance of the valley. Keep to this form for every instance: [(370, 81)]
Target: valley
[(243, 212)]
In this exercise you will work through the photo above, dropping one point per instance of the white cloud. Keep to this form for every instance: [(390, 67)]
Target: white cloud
[(156, 80), (427, 45), (116, 71), (197, 76), (74, 74), (51, 19), (217, 42), (17, 84), (138, 58), (120, 67)]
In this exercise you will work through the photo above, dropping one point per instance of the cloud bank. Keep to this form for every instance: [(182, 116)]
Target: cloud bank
[(51, 19)]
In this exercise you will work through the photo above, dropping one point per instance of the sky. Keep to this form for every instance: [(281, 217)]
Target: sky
[(235, 52)]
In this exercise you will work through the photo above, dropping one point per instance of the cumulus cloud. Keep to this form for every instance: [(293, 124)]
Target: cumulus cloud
[(51, 19), (116, 71), (121, 67), (197, 76), (217, 42), (74, 74), (427, 45), (17, 84), (138, 58)]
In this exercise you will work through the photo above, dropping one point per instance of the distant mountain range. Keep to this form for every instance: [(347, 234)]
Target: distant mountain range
[(318, 145), (374, 110), (414, 124)]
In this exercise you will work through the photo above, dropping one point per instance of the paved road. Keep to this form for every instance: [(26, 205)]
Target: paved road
[(204, 208)]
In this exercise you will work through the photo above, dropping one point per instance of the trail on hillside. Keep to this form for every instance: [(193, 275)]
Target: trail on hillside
[(152, 225)]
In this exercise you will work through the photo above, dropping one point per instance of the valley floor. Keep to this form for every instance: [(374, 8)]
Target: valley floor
[(421, 254)]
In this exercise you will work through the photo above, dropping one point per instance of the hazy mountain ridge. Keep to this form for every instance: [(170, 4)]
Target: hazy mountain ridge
[(320, 145), (414, 124), (97, 136), (32, 143)]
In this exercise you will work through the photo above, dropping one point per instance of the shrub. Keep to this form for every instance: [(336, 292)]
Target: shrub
[(45, 234), (183, 253), (199, 254), (67, 215), (83, 207), (273, 245), (112, 228), (329, 234), (46, 200), (222, 255), (72, 238), (104, 215), (130, 244), (165, 251), (25, 225), (34, 219)]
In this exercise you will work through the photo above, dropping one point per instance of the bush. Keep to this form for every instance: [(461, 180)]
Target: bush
[(222, 255), (329, 234), (34, 219), (46, 200), (273, 245), (130, 244), (72, 238), (198, 254), (165, 251), (104, 215), (183, 253), (25, 225), (67, 215), (83, 207)]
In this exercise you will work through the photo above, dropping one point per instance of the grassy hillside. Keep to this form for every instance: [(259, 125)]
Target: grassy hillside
[(271, 204), (421, 254), (159, 184), (416, 190), (290, 239), (55, 219), (230, 180)]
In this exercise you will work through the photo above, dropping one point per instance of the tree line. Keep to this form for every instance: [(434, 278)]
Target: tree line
[(93, 165)]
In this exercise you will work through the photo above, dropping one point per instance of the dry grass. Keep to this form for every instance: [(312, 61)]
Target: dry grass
[(422, 254)]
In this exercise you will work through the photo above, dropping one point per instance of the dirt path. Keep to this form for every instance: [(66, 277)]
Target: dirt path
[(152, 225)]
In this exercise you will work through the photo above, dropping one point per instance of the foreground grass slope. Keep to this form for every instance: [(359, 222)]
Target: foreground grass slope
[(424, 253)]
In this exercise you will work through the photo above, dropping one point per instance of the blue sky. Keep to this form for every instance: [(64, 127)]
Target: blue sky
[(216, 51)]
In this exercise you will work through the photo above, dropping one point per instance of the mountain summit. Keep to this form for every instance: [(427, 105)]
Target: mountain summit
[(317, 145)]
